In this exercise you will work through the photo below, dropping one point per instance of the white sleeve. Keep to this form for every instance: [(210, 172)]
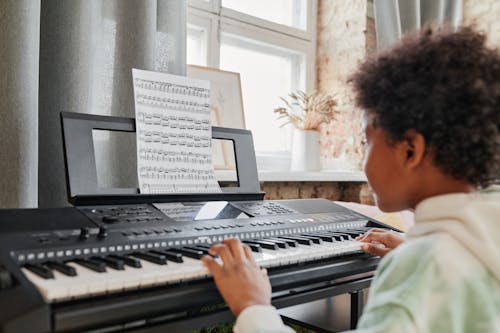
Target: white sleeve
[(260, 319)]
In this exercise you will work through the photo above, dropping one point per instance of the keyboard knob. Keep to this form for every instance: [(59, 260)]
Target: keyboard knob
[(103, 232), (84, 233)]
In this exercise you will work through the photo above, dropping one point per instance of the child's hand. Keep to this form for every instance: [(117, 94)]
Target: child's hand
[(379, 242), (239, 280)]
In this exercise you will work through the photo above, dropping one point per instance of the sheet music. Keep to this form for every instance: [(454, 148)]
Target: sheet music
[(174, 134)]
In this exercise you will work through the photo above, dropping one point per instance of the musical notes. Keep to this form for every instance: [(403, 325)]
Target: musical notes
[(174, 134)]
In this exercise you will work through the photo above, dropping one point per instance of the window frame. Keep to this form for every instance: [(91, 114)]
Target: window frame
[(217, 20)]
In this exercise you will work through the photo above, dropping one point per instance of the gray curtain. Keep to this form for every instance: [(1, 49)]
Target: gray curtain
[(83, 52), (19, 39), (395, 17)]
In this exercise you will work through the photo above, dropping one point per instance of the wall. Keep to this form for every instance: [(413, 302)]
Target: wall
[(342, 43), (345, 34), (486, 15)]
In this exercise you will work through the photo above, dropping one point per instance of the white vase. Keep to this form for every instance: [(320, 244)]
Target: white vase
[(305, 151)]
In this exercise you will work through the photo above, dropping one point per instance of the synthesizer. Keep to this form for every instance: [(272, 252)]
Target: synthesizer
[(111, 267)]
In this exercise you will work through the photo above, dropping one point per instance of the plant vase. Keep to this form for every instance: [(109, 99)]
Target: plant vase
[(305, 151)]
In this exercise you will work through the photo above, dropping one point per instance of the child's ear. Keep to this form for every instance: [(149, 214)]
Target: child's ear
[(415, 148)]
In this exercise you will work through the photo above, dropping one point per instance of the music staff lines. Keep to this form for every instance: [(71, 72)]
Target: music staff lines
[(174, 122), (175, 139), (172, 88), (173, 156), (175, 174), (160, 189), (172, 104)]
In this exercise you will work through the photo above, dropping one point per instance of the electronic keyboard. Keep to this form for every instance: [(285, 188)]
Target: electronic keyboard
[(136, 266)]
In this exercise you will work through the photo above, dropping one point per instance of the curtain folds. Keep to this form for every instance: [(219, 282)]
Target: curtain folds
[(19, 36), (84, 51), (395, 17)]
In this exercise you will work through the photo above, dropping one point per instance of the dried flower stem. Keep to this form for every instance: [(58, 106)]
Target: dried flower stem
[(315, 109)]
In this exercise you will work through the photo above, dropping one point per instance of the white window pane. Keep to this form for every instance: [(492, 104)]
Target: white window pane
[(196, 45), (267, 73), (292, 13)]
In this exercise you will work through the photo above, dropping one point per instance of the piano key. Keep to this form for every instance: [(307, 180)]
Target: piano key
[(97, 266), (323, 237), (117, 264), (279, 243), (352, 233), (132, 262), (254, 247), (172, 256), (195, 254), (152, 257), (314, 239), (40, 270), (61, 267), (197, 248), (344, 236), (264, 244), (290, 242), (298, 239)]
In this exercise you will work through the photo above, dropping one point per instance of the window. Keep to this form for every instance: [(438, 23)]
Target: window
[(272, 45)]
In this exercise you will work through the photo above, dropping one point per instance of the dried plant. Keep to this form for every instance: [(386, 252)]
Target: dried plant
[(307, 111)]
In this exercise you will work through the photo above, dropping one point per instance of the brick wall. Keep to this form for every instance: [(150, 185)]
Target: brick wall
[(341, 44), (485, 14)]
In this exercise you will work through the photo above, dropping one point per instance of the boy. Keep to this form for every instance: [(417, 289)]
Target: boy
[(432, 126)]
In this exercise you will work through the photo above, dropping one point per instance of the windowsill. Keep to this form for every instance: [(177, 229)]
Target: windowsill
[(298, 176)]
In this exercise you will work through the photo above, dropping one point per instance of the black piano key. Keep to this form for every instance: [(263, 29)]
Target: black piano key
[(111, 262), (298, 239), (61, 267), (315, 239), (281, 244), (132, 262), (172, 256), (40, 270), (197, 248), (155, 258), (204, 246), (339, 237), (290, 242), (195, 254), (264, 244), (342, 236), (352, 233), (323, 237), (254, 247), (96, 266)]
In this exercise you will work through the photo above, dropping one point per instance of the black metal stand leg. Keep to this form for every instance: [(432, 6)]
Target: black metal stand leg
[(356, 307)]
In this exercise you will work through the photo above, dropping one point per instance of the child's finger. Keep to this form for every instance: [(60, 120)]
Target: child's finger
[(381, 237), (235, 247), (248, 253), (371, 231), (213, 266), (224, 253), (375, 249)]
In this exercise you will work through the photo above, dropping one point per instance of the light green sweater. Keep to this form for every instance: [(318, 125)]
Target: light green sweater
[(444, 278)]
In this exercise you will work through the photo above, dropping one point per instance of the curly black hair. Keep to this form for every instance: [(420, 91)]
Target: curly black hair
[(444, 84)]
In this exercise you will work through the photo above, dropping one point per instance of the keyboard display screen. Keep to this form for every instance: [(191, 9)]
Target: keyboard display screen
[(194, 211)]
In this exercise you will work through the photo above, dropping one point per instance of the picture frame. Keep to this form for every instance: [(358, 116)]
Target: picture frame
[(225, 94), (226, 102)]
